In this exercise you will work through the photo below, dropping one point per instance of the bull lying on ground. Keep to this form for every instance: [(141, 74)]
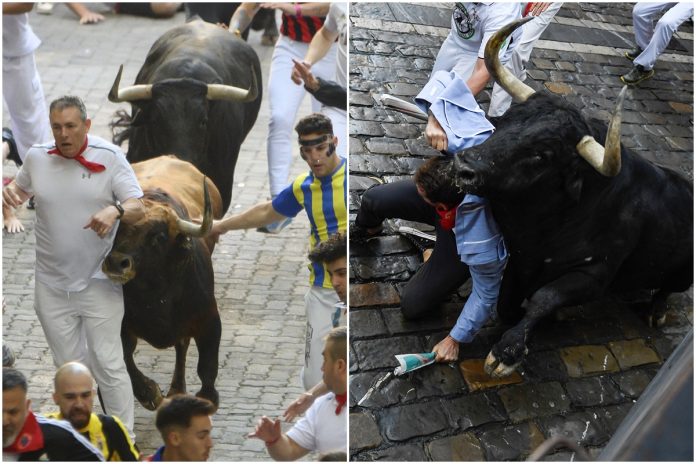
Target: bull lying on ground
[(578, 223), (197, 95), (164, 263)]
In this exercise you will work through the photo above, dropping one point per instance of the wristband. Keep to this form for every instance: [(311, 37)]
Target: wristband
[(298, 10), (273, 442), (120, 209)]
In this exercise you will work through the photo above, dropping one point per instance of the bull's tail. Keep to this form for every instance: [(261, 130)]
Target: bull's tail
[(120, 127)]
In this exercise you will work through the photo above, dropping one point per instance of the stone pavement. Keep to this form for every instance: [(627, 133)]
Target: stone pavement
[(587, 365), (260, 279)]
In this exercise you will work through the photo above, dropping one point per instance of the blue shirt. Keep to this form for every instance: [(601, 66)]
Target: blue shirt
[(324, 201), (479, 242)]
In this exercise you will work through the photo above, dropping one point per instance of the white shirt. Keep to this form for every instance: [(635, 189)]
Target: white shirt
[(321, 429), (67, 195), (336, 21), (18, 39), (481, 21)]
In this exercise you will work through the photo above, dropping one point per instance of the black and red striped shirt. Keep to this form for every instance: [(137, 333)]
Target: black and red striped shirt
[(301, 28)]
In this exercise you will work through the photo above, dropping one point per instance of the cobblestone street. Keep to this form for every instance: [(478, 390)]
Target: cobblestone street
[(260, 279), (586, 365)]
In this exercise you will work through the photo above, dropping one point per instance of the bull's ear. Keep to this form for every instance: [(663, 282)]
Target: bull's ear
[(573, 185)]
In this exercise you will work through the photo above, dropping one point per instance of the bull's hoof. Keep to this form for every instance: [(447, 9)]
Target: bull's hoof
[(210, 394), (497, 369), (150, 396)]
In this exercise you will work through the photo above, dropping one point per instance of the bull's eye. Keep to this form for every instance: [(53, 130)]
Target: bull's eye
[(159, 239)]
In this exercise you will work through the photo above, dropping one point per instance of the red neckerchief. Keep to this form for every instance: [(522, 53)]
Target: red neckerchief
[(29, 439), (341, 400), (91, 167), (447, 218)]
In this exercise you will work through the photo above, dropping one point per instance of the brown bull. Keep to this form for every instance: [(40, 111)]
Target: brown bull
[(164, 263)]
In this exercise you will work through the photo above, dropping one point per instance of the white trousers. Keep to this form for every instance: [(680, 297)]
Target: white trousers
[(452, 57), (284, 98), (24, 97), (500, 99), (322, 316), (653, 37), (85, 326)]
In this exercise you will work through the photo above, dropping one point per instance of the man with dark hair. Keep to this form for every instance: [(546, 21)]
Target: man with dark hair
[(31, 437), (468, 240), (74, 394), (185, 425), (332, 254), (479, 245), (322, 194), (83, 186), (323, 428)]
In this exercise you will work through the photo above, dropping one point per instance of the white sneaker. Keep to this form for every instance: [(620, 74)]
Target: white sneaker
[(44, 8)]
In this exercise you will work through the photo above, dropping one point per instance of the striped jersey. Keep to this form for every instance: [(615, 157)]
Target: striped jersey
[(108, 435), (324, 200), (300, 28)]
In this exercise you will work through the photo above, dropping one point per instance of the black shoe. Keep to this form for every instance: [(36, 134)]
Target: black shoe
[(358, 234), (637, 75), (8, 137), (633, 54), (421, 240)]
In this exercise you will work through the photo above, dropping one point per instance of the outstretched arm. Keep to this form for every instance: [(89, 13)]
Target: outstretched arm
[(257, 216), (306, 399), (280, 447)]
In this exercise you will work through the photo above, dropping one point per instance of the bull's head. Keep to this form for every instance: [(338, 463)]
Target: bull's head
[(532, 136), (214, 91), (175, 112), (148, 246)]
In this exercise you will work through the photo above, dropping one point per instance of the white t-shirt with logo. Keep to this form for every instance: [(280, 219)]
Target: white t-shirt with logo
[(67, 195), (321, 430)]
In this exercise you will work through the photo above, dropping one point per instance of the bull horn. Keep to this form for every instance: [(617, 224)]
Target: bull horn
[(605, 159), (512, 85), (128, 94), (199, 230), (231, 93)]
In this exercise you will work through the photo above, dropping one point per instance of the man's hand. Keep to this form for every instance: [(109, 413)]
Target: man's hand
[(287, 8), (10, 221), (90, 17), (301, 74), (103, 221), (299, 406), (267, 430), (13, 196), (435, 134), (537, 8), (447, 350)]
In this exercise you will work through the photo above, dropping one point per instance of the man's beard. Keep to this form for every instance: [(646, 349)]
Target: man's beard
[(78, 418)]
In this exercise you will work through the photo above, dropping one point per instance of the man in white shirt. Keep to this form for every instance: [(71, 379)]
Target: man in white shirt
[(323, 428), (83, 186)]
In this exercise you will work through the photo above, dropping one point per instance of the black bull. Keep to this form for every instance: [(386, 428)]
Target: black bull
[(197, 96), (574, 234), (164, 262)]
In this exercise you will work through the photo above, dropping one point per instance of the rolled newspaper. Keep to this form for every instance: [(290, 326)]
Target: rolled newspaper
[(411, 362)]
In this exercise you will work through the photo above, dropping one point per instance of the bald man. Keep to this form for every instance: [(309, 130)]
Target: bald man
[(74, 395)]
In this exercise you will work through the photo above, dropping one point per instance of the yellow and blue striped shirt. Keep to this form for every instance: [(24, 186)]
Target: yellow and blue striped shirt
[(324, 200)]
